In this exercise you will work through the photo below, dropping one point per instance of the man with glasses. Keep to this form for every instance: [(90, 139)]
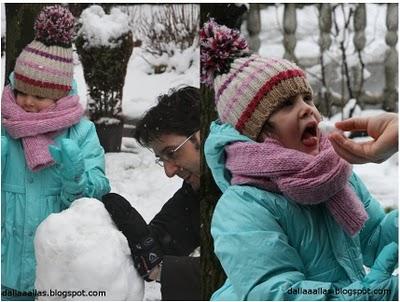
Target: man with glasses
[(161, 249)]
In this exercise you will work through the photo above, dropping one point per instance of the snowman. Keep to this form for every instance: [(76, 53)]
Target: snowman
[(81, 255)]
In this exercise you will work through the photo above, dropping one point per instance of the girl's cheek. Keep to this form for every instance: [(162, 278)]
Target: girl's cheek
[(46, 105)]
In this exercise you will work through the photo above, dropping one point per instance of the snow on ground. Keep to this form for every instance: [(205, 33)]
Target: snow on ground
[(141, 88), (382, 180), (134, 175)]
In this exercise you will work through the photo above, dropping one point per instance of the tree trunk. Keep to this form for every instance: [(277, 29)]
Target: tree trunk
[(254, 26), (390, 92), (19, 31), (212, 274), (289, 31)]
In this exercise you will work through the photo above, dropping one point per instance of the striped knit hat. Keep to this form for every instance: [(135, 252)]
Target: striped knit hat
[(44, 68), (248, 88)]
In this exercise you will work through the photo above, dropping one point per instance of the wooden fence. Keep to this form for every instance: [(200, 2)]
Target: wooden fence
[(352, 84)]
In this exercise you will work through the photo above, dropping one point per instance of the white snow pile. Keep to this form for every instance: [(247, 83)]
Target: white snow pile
[(80, 249), (142, 87), (180, 61), (100, 29)]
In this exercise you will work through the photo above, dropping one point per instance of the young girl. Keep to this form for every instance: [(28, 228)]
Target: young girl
[(294, 222), (50, 154)]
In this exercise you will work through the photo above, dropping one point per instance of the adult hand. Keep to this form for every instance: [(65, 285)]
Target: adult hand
[(382, 128), (146, 252)]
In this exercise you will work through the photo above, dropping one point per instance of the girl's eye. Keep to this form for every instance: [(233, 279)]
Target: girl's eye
[(39, 98), (288, 102), (20, 92), (308, 98)]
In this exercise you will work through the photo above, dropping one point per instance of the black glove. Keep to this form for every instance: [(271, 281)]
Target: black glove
[(146, 252)]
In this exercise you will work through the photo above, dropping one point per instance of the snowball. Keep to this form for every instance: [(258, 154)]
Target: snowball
[(327, 127), (81, 249)]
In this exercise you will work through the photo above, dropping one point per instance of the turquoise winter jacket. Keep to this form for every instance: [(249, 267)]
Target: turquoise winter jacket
[(272, 248), (27, 198)]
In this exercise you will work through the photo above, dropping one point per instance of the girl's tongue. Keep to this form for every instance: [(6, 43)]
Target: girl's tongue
[(309, 138)]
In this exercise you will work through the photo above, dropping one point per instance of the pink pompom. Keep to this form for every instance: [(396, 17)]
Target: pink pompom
[(55, 26), (219, 46)]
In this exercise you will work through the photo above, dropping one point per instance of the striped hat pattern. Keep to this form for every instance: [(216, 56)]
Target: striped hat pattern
[(45, 66), (253, 87)]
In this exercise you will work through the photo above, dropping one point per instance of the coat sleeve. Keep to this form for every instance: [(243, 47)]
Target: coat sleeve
[(257, 257), (97, 183), (380, 228), (176, 227), (180, 279)]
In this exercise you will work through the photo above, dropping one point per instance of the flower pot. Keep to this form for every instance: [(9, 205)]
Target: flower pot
[(110, 136)]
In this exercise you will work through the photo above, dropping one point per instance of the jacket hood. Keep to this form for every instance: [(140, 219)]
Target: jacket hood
[(220, 136)]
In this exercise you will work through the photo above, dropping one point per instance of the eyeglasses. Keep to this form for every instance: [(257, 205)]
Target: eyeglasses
[(170, 155)]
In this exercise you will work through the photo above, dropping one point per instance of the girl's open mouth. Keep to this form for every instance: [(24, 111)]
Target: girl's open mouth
[(309, 137)]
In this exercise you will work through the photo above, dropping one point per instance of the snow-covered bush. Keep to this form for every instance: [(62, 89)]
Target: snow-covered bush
[(100, 29), (169, 34), (80, 249), (104, 45), (172, 27)]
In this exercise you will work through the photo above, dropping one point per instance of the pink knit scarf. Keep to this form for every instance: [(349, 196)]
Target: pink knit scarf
[(301, 177), (37, 130)]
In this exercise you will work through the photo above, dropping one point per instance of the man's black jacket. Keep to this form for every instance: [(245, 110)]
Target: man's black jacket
[(177, 229)]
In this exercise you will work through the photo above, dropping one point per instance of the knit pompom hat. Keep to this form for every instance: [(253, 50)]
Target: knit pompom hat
[(248, 88), (45, 68)]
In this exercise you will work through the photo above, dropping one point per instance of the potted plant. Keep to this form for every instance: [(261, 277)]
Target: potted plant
[(104, 45)]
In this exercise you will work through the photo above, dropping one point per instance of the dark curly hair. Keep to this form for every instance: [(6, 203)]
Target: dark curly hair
[(177, 112)]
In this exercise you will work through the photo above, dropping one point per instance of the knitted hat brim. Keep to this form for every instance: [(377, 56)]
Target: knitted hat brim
[(43, 92), (268, 104)]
